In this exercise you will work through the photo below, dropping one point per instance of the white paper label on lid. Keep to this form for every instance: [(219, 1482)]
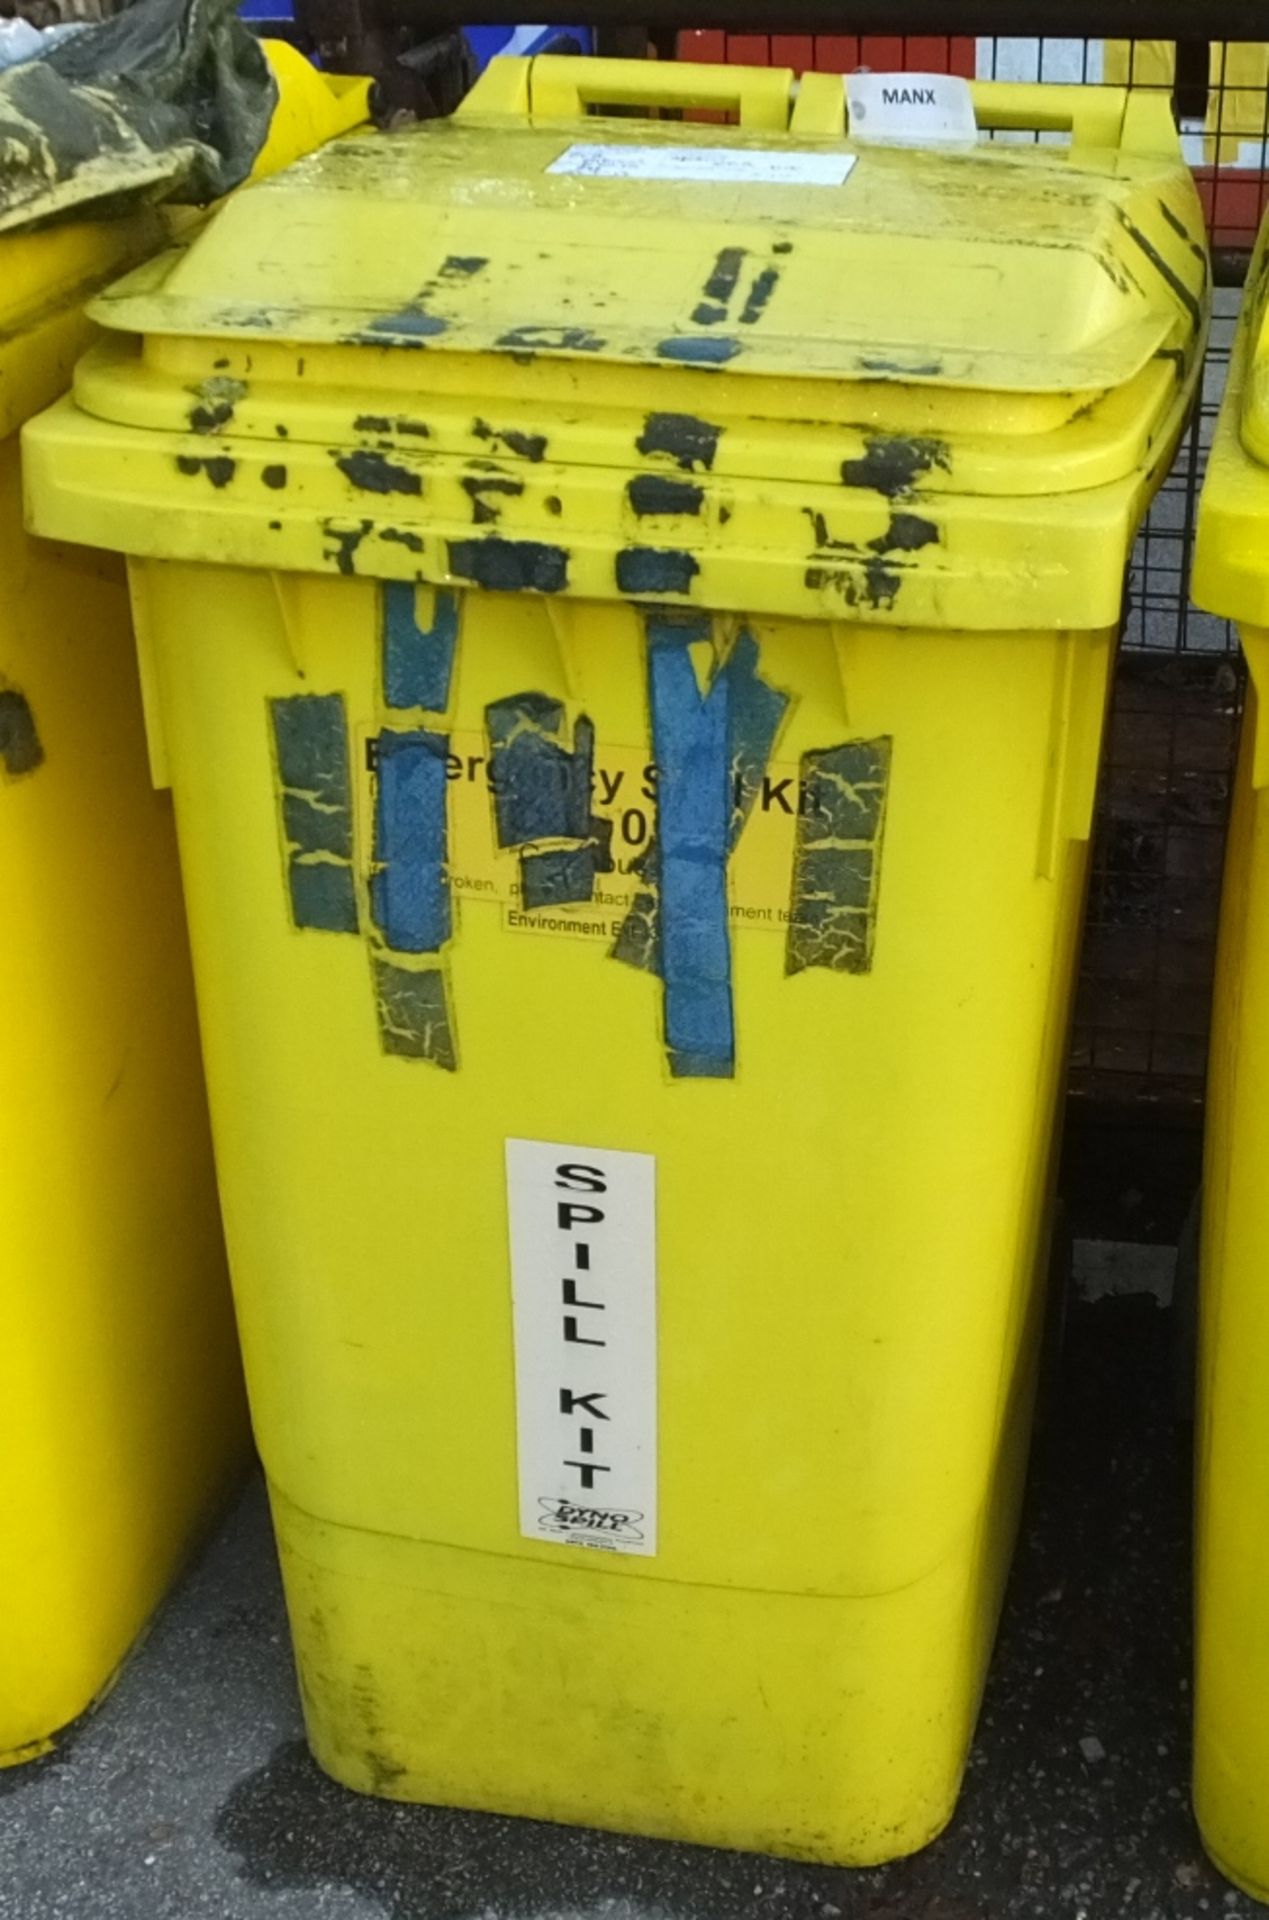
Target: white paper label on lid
[(737, 166), (584, 1294), (911, 109)]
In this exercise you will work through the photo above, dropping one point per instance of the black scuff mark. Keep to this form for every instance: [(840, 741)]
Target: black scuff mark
[(383, 423), (782, 246), (907, 533), (724, 275), (653, 493), (215, 404), (1115, 270), (402, 537), (218, 467), (484, 511), (710, 350), (689, 442), (283, 433), (867, 575), (529, 446), (554, 504), (462, 266), (344, 542), (510, 566), (837, 861), (21, 750), (1177, 225), (274, 476), (901, 369), (551, 340), (412, 1006), (643, 570), (1184, 294), (373, 472), (759, 294), (892, 464)]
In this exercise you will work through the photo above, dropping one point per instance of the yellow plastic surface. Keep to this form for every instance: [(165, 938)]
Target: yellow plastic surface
[(1231, 1740), (1233, 131), (851, 1226), (122, 1416)]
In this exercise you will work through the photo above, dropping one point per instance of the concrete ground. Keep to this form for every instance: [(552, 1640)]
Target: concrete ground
[(189, 1795)]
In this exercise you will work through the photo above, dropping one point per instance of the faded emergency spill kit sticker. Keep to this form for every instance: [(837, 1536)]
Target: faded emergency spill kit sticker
[(735, 166), (583, 1277), (660, 849)]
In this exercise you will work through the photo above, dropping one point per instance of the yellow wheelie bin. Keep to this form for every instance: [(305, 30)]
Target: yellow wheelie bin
[(631, 673), (122, 1416), (1231, 1742)]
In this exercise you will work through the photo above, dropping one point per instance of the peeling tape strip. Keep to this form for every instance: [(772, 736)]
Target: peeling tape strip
[(409, 889), (711, 753), (542, 792), (413, 1010), (689, 736), (310, 738), (837, 865), (418, 662), (565, 876)]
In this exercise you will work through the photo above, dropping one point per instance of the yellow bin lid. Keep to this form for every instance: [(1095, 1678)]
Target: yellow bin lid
[(543, 347)]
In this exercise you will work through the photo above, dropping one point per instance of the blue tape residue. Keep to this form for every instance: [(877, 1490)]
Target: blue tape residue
[(541, 790), (310, 737), (755, 714), (690, 746), (837, 864), (704, 748), (414, 1015), (418, 662), (409, 891)]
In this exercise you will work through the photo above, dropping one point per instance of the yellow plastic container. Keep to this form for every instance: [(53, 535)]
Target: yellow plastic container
[(122, 1418), (1231, 1744), (631, 672)]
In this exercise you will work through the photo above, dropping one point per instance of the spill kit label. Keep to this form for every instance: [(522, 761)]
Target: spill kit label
[(735, 166), (583, 1277), (624, 794)]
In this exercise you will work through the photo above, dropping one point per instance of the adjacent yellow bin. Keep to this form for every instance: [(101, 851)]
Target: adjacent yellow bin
[(631, 666), (122, 1417), (1231, 577)]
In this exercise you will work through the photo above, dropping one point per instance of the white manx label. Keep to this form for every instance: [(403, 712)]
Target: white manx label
[(738, 166), (911, 109), (583, 1279)]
